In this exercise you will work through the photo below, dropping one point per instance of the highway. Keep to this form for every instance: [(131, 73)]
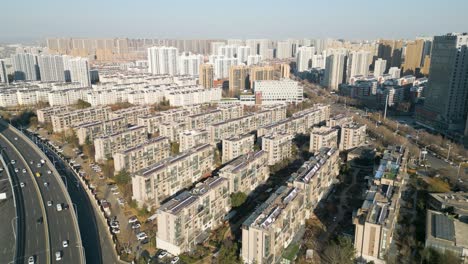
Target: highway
[(43, 237)]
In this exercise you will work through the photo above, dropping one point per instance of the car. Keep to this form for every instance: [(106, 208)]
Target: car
[(49, 203), (115, 192), (132, 219), (1, 169), (42, 161), (49, 172), (31, 162), (136, 225), (175, 260), (114, 188), (31, 260), (21, 184), (46, 184), (16, 138), (141, 236), (162, 255), (13, 161), (16, 170), (38, 165), (40, 220), (115, 224), (23, 171), (58, 255), (59, 207), (65, 243), (38, 174), (115, 230), (121, 201)]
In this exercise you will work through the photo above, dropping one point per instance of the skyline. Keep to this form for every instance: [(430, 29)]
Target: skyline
[(209, 19)]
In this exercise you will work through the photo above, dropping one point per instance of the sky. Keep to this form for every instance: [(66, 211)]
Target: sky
[(210, 19)]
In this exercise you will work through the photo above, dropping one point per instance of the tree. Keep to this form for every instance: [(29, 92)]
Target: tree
[(108, 168), (33, 122), (81, 104), (175, 148), (122, 178), (228, 253), (238, 198), (339, 252)]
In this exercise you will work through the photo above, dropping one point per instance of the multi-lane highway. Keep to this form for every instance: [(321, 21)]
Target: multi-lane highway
[(45, 232)]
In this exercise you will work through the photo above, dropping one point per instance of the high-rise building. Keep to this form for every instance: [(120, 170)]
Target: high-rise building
[(214, 47), (222, 64), (335, 69), (318, 61), (51, 68), (254, 59), (243, 53), (285, 71), (413, 56), (283, 50), (189, 64), (358, 63), (304, 57), (77, 69), (206, 76), (391, 51), (163, 60), (238, 79), (260, 73), (235, 42), (379, 67), (445, 106), (259, 47), (3, 72), (395, 72), (25, 66)]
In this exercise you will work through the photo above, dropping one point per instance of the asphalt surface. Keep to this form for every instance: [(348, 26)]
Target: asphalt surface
[(7, 218), (61, 226)]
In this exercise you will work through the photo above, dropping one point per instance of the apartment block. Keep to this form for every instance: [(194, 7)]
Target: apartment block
[(317, 175), (44, 115), (187, 219), (202, 120), (152, 185), (142, 156), (278, 147), (352, 135), (132, 113), (339, 120), (172, 130), (279, 91), (106, 146), (151, 122), (246, 172), (323, 137), (273, 226), (236, 146), (64, 120), (89, 131), (231, 127), (191, 138)]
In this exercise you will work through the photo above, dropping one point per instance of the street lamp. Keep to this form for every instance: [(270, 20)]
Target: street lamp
[(459, 166)]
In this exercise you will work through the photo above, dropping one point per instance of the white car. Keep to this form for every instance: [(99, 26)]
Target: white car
[(49, 203), (58, 255), (49, 172), (132, 219), (59, 207), (115, 230), (1, 169), (12, 161), (175, 260), (31, 260), (136, 225), (142, 236), (163, 254), (23, 171), (42, 161), (65, 243), (16, 170), (16, 138), (21, 184)]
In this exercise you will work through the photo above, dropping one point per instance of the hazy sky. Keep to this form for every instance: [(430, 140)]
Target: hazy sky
[(364, 19)]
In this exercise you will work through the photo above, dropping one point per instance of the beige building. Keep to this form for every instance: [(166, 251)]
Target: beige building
[(323, 137), (154, 184), (352, 135), (187, 219), (284, 71), (317, 175), (413, 56), (44, 115), (278, 147), (231, 127), (206, 76), (132, 113), (142, 156), (273, 226), (172, 130), (65, 120), (339, 120), (191, 138), (238, 79), (202, 120), (151, 122), (246, 172), (106, 146), (261, 73), (236, 146), (90, 131)]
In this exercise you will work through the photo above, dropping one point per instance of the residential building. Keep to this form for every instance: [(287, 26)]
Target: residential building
[(445, 107), (413, 56), (254, 60), (222, 65), (261, 73), (106, 146), (243, 52), (279, 91), (191, 138), (154, 184), (131, 114), (323, 137), (283, 50), (352, 135), (206, 75), (339, 120), (335, 70), (3, 72), (238, 80), (246, 172), (25, 67), (163, 60), (51, 68), (379, 67), (284, 71), (278, 147), (87, 132), (304, 57), (358, 63), (236, 146), (77, 70), (172, 130), (394, 72), (44, 115), (187, 219), (62, 121), (273, 226), (142, 156), (189, 64), (391, 51)]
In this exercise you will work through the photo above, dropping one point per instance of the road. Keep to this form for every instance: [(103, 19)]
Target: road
[(46, 238)]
